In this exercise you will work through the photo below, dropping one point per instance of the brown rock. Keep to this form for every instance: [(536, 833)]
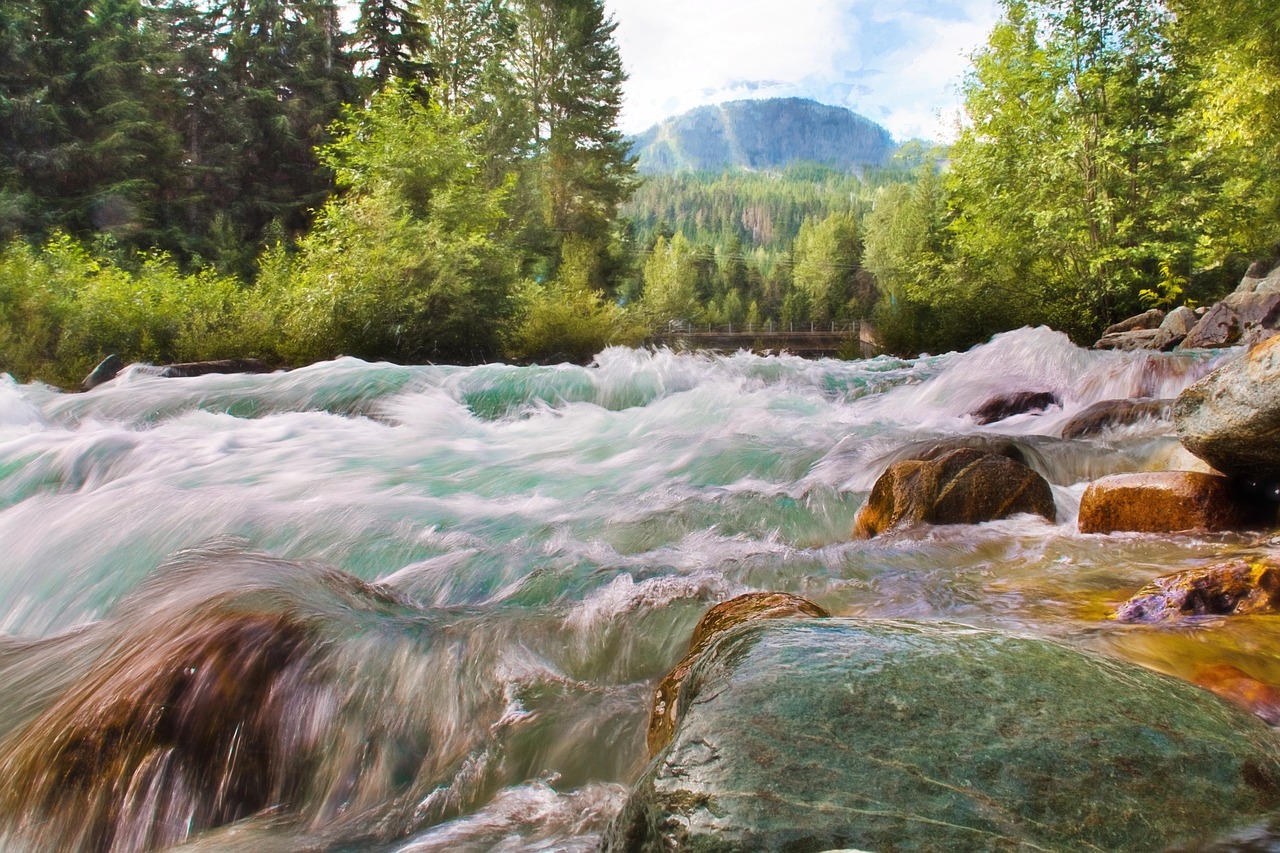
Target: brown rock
[(1246, 318), (1109, 413), (1237, 686), (1222, 589), (1150, 319), (1169, 502), (225, 365), (1017, 403), (959, 487), (751, 607)]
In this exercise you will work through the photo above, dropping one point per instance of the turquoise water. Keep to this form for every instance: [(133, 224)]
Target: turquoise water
[(488, 568)]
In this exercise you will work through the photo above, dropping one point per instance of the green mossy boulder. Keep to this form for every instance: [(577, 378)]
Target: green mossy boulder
[(835, 733)]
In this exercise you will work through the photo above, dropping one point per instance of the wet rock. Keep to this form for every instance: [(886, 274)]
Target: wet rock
[(104, 372), (838, 733), (1007, 405), (965, 486), (1238, 687), (1113, 413), (1231, 418), (1150, 319), (203, 368), (1224, 589), (1240, 318), (1169, 502), (751, 607), (998, 445)]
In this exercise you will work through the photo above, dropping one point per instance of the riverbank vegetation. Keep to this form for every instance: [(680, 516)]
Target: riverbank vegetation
[(442, 181)]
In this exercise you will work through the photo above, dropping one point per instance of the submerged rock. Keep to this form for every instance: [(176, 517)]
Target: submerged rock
[(1231, 418), (1113, 413), (1007, 405), (1239, 687), (751, 607), (964, 486), (1223, 589), (837, 733), (1170, 502)]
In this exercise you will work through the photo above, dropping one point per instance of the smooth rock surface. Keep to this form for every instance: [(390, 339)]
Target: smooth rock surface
[(1114, 413), (840, 733), (750, 607), (1132, 340), (1233, 588), (1231, 418), (1170, 502), (1007, 405), (965, 486)]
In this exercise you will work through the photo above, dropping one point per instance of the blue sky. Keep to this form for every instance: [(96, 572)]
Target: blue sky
[(898, 62)]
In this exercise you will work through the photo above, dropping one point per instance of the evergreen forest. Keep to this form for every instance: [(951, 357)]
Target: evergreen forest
[(444, 180)]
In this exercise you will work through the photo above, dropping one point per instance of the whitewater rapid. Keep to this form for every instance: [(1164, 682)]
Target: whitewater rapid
[(488, 568)]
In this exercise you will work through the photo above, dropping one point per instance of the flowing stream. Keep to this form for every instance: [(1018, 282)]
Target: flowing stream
[(436, 599)]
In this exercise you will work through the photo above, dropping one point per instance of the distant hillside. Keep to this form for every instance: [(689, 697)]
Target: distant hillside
[(762, 135)]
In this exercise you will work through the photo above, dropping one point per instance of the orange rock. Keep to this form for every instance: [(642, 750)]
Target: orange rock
[(1236, 685), (1170, 502), (965, 486), (745, 608)]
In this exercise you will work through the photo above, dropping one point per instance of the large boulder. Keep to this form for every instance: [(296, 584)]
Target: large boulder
[(1150, 319), (837, 733), (964, 486), (1132, 340), (1019, 402), (1261, 277), (1114, 413), (1170, 502), (1240, 318), (1231, 418), (750, 607), (1232, 588)]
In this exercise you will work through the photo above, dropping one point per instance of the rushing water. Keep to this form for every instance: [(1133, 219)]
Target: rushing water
[(436, 600)]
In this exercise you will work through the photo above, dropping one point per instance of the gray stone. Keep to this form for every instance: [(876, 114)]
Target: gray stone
[(1149, 319), (1132, 340), (1231, 418), (1261, 277), (1240, 318), (1179, 322), (839, 733)]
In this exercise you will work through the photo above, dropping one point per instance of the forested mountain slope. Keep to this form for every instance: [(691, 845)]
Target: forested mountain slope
[(762, 135)]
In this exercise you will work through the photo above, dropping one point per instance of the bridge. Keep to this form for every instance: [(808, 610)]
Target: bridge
[(857, 340)]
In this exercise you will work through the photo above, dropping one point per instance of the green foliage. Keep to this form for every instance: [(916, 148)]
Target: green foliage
[(1067, 186), (63, 309), (410, 263), (670, 279), (568, 319)]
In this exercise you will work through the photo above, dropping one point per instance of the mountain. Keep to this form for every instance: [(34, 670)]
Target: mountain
[(762, 135)]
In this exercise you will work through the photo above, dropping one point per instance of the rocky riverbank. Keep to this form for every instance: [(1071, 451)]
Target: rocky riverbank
[(786, 729)]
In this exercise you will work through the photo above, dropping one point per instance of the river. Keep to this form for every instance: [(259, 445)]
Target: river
[(424, 608)]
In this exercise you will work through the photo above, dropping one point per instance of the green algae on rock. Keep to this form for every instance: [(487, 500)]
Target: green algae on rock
[(819, 734)]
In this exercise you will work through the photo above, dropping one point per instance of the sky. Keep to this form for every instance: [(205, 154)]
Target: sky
[(897, 62)]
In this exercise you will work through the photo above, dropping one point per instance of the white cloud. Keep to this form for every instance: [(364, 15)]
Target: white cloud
[(899, 62)]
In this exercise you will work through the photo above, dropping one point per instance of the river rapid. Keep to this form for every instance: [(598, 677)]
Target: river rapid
[(373, 607)]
